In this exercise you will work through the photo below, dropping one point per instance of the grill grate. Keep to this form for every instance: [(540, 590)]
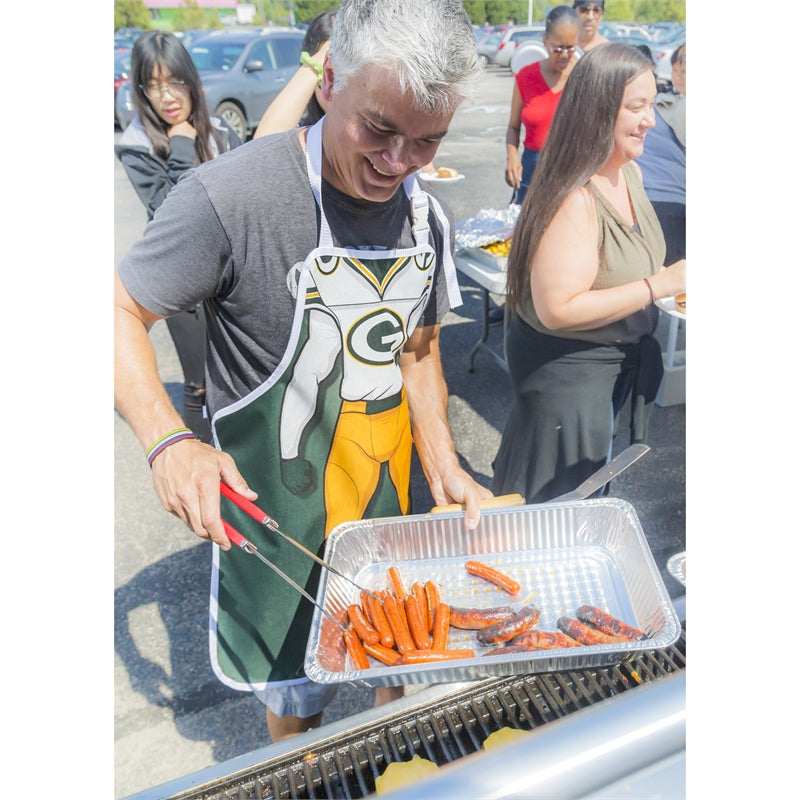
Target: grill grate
[(456, 726)]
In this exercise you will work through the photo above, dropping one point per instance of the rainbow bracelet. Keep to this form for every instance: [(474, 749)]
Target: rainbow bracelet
[(305, 58), (165, 441)]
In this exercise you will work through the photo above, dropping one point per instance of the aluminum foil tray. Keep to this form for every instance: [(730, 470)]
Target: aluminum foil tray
[(564, 554), (677, 567), (499, 263)]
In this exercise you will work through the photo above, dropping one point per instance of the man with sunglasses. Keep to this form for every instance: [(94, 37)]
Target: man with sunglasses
[(591, 15)]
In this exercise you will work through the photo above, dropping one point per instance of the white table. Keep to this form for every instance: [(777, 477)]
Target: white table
[(672, 390), (491, 280)]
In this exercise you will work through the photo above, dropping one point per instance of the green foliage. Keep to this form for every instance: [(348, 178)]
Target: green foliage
[(620, 11), (645, 11), (189, 17), (131, 14), (306, 10)]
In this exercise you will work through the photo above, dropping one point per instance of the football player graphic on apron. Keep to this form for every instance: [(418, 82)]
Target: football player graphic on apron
[(325, 440)]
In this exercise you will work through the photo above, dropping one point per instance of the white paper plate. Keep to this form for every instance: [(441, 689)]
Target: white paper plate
[(432, 177), (667, 304)]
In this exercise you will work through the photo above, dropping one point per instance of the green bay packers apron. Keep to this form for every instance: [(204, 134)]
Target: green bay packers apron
[(325, 440)]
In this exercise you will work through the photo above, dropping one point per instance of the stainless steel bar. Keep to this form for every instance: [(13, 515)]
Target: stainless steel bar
[(573, 756)]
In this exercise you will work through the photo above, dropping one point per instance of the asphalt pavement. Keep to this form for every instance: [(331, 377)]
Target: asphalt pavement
[(172, 717)]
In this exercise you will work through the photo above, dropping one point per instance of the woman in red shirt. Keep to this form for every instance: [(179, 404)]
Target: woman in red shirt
[(537, 89)]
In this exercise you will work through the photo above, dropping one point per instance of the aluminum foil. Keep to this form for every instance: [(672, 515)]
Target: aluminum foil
[(564, 554), (487, 226)]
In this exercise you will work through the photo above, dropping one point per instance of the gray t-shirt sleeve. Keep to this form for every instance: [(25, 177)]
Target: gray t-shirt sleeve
[(197, 262)]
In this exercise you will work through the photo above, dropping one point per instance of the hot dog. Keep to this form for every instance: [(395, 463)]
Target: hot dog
[(362, 625), (584, 633), (441, 626), (507, 629), (379, 621), (604, 622), (384, 654), (480, 570), (543, 640), (355, 649), (417, 623), (397, 622), (418, 590), (473, 619), (428, 656), (396, 583), (432, 600)]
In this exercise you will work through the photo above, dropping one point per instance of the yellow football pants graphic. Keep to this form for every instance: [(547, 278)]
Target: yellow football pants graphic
[(361, 444)]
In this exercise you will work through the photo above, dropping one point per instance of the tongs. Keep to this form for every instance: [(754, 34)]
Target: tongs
[(252, 510)]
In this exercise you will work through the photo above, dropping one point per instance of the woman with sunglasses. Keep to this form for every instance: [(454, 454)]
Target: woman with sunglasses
[(171, 132), (586, 265), (591, 15), (537, 90)]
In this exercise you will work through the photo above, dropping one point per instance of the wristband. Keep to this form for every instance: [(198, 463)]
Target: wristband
[(650, 289), (165, 441), (306, 59)]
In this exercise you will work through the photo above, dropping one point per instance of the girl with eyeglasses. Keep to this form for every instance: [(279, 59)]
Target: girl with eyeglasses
[(537, 90), (171, 132), (586, 266)]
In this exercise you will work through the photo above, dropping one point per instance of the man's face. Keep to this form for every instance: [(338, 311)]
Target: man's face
[(590, 16), (373, 136)]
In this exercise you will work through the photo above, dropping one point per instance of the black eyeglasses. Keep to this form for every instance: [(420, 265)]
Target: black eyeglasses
[(563, 48), (155, 90), (587, 9)]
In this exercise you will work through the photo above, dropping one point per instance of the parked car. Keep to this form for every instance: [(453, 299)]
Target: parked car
[(487, 45), (511, 39), (243, 72), (122, 75), (662, 54)]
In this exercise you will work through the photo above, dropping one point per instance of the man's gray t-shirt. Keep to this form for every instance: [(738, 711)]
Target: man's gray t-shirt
[(228, 234)]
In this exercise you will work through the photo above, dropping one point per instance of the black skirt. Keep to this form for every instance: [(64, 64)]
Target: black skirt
[(567, 398)]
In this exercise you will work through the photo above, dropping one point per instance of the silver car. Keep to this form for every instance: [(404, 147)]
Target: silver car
[(243, 72), (514, 36)]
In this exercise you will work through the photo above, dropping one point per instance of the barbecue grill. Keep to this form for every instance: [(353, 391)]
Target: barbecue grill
[(616, 730)]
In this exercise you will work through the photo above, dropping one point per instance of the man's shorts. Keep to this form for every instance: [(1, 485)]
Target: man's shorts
[(298, 699)]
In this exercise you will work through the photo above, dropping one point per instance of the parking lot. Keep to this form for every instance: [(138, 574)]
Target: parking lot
[(172, 716)]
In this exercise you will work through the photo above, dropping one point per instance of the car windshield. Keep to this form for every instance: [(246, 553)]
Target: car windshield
[(209, 54)]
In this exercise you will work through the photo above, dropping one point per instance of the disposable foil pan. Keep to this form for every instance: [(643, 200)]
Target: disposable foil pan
[(563, 554), (499, 263)]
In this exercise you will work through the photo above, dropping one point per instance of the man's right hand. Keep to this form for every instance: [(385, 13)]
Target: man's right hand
[(186, 478)]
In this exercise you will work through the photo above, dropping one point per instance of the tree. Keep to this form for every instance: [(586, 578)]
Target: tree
[(620, 11), (189, 17), (306, 10), (661, 10), (476, 11), (131, 14)]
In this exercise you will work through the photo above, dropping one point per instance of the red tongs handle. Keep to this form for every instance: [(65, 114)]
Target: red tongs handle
[(235, 536), (242, 502)]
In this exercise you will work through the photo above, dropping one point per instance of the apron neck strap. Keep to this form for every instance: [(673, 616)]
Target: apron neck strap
[(418, 199)]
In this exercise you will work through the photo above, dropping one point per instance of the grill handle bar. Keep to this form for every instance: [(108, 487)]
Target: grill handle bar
[(574, 756)]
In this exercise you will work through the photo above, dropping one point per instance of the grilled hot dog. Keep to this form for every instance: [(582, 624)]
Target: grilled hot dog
[(607, 624), (473, 619), (543, 640), (507, 629), (585, 633), (505, 582)]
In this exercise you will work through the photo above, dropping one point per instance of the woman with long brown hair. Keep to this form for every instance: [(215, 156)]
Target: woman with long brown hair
[(171, 132), (585, 268)]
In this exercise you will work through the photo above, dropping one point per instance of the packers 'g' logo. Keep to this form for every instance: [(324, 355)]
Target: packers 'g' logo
[(375, 338)]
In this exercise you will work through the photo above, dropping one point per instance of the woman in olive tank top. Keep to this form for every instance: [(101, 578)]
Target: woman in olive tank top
[(585, 268)]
